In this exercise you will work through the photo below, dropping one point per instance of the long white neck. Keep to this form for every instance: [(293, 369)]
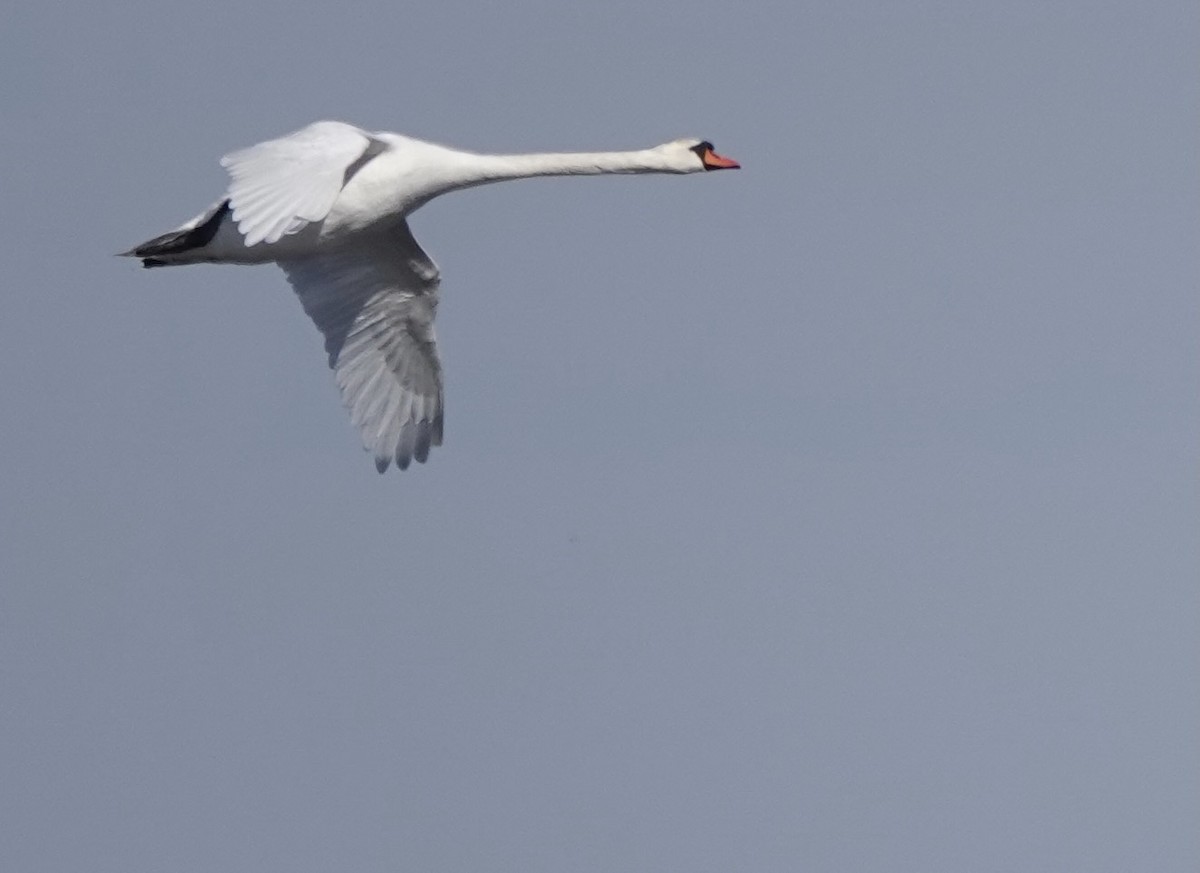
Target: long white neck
[(419, 171), (495, 168), (466, 170)]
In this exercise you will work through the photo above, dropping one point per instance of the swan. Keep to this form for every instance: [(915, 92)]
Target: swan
[(329, 204)]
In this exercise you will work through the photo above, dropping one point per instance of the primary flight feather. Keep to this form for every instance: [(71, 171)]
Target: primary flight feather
[(329, 204)]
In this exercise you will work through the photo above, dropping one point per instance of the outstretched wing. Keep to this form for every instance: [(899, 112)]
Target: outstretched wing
[(279, 186), (375, 301)]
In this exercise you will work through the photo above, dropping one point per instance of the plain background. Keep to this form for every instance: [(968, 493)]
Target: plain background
[(839, 513)]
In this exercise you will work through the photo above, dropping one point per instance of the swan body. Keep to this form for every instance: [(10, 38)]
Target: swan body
[(329, 203)]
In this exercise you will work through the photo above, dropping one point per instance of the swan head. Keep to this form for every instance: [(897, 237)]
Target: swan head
[(692, 155)]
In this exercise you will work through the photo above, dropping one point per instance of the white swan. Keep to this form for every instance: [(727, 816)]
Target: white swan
[(328, 204)]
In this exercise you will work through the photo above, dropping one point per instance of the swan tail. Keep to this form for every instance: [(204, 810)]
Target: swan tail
[(174, 247)]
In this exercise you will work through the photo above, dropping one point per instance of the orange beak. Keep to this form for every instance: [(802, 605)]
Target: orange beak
[(714, 161)]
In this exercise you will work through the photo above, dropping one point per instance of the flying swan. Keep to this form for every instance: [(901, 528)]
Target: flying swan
[(329, 204)]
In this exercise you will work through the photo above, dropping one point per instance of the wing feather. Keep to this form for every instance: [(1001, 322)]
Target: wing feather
[(375, 302), (279, 186)]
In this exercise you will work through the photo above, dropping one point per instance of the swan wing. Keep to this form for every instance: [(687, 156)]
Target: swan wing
[(375, 301), (279, 186)]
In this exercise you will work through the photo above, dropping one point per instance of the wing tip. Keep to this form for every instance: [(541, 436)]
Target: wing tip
[(428, 434)]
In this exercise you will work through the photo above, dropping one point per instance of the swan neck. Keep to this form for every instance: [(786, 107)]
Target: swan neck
[(496, 168)]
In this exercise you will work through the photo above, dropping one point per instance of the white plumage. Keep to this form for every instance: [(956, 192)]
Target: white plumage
[(328, 203)]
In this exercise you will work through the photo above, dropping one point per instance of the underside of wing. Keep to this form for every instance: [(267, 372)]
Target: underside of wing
[(375, 303), (279, 186)]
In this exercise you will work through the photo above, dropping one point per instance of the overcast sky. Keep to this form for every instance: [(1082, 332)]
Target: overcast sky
[(837, 514)]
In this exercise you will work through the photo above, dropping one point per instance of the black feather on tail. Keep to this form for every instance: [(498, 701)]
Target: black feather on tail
[(179, 241)]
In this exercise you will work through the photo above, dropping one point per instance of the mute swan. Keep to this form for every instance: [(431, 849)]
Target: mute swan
[(328, 204)]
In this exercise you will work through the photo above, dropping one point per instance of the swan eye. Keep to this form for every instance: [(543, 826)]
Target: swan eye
[(702, 148)]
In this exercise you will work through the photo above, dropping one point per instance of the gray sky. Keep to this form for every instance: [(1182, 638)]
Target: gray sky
[(836, 514)]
